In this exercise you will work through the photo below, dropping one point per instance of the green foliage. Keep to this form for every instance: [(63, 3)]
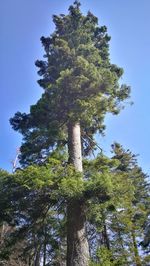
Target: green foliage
[(80, 85), (118, 223), (115, 193), (71, 185), (105, 257)]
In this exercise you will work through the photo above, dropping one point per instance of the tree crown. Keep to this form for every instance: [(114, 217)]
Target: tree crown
[(80, 85)]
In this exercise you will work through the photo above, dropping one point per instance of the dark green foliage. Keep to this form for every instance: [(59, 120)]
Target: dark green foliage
[(120, 222), (115, 192), (33, 204), (80, 84)]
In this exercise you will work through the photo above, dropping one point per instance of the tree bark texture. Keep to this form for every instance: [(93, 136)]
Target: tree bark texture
[(74, 146), (77, 244)]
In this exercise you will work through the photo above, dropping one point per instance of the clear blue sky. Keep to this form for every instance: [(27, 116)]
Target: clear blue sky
[(23, 22)]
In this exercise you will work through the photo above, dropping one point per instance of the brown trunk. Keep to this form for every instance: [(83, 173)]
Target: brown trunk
[(105, 237), (37, 258), (77, 244)]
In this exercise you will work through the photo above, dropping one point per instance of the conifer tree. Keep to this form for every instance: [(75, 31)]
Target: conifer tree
[(116, 226), (80, 86), (138, 211)]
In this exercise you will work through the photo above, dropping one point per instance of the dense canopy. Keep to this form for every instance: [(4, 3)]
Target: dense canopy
[(80, 84), (60, 205)]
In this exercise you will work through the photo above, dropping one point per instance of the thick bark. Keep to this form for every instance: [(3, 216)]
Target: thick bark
[(77, 244)]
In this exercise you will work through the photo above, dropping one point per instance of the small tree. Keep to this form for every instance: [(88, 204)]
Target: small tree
[(80, 86)]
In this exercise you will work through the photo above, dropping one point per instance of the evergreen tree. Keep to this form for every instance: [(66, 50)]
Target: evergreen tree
[(80, 86), (115, 192), (129, 221), (33, 203), (116, 227)]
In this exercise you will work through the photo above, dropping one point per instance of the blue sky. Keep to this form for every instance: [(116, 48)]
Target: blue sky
[(23, 22)]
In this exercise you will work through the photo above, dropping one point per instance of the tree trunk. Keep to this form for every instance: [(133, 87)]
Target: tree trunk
[(44, 246), (77, 244), (135, 249), (105, 237)]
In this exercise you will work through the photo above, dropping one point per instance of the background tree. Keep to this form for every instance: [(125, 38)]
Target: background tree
[(118, 224)]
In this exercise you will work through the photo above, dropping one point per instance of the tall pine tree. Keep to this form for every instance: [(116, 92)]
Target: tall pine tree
[(80, 86)]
